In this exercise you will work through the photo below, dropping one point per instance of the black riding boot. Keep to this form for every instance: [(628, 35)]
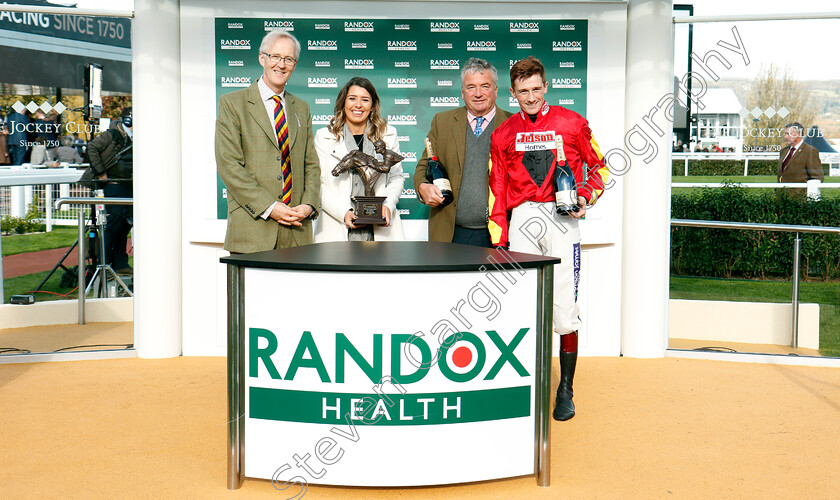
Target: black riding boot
[(564, 409)]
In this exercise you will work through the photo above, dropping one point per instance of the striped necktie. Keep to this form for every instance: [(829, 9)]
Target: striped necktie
[(791, 150), (478, 121), (283, 141)]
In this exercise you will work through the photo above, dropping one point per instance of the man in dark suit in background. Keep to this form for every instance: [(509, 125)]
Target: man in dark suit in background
[(798, 162), (266, 156), (461, 140), (16, 124)]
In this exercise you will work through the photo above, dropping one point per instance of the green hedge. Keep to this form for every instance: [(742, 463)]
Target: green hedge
[(723, 167), (731, 253)]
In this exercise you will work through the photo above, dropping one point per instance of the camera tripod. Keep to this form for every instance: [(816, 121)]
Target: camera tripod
[(90, 232), (104, 272), (95, 234)]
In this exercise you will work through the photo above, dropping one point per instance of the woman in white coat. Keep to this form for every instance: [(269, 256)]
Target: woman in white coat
[(357, 124)]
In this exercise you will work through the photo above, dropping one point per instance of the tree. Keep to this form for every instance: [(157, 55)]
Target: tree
[(775, 87)]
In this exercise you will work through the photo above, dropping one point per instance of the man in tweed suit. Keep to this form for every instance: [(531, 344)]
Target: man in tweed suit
[(250, 159), (798, 162), (465, 153)]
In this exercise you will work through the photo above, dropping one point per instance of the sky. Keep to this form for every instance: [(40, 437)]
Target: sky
[(809, 47)]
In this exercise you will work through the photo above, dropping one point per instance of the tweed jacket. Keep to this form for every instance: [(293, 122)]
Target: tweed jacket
[(250, 164), (449, 141), (803, 165)]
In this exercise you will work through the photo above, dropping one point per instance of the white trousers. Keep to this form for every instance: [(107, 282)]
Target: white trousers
[(536, 228)]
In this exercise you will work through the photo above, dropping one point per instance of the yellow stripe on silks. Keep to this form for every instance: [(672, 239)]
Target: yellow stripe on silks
[(495, 232), (604, 172), (492, 227), (595, 147)]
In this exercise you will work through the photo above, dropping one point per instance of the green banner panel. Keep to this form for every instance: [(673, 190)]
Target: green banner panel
[(406, 409), (413, 63)]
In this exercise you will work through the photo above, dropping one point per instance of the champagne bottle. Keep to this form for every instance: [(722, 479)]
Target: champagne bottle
[(436, 174), (565, 188)]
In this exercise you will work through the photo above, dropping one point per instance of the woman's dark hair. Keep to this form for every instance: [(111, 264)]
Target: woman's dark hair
[(378, 124)]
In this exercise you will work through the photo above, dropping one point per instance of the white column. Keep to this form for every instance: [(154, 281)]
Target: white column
[(157, 178), (647, 191)]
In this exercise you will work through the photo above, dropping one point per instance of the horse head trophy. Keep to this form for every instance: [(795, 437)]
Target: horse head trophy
[(368, 208)]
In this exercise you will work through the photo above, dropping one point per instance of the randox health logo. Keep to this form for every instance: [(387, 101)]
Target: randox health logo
[(322, 82), (235, 44), (321, 119), (567, 46), (444, 102), (402, 83), (279, 25), (235, 81), (322, 45), (445, 27), (402, 120), (566, 83), (527, 27), (481, 45), (402, 44), (444, 64), (358, 64), (358, 26), (463, 357)]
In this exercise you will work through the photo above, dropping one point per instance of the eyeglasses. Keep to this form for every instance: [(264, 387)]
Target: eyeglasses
[(274, 58)]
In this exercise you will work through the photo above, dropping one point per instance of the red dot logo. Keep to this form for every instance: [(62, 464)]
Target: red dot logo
[(462, 356)]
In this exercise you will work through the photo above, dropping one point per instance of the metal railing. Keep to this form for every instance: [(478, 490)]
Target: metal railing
[(102, 267), (770, 227)]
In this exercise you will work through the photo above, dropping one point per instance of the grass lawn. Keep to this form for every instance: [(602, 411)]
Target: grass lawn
[(24, 284), (59, 237), (741, 179), (826, 294)]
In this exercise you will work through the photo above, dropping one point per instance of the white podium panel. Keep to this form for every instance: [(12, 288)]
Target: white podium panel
[(378, 390)]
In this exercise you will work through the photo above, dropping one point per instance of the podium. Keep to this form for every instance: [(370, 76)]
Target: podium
[(388, 364)]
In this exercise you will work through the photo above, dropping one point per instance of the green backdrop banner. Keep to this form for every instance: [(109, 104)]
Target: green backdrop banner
[(413, 63)]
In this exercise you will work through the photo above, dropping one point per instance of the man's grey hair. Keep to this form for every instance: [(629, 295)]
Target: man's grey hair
[(66, 140), (797, 126), (476, 65), (271, 38)]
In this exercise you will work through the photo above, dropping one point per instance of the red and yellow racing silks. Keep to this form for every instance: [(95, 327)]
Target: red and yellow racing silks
[(510, 182)]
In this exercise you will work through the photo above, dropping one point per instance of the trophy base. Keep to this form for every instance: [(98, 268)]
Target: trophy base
[(368, 210)]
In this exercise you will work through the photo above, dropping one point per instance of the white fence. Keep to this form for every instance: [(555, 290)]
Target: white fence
[(831, 159), (16, 199)]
